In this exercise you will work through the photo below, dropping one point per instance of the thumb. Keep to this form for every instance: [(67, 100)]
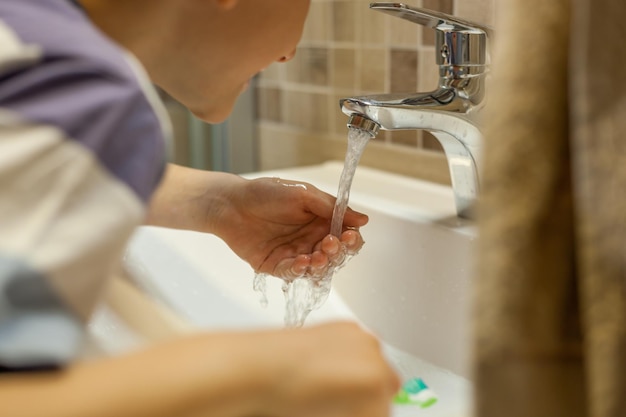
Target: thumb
[(354, 218)]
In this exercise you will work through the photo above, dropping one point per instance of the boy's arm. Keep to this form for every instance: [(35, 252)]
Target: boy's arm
[(333, 369), (279, 227)]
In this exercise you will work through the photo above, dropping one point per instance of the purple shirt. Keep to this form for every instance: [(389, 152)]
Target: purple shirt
[(81, 151)]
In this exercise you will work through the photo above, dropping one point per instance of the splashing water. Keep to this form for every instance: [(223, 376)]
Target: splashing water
[(260, 285), (307, 293)]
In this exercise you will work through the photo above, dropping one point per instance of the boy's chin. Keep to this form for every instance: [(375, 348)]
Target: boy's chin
[(213, 114)]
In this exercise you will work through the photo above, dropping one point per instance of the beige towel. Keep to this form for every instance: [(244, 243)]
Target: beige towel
[(550, 317)]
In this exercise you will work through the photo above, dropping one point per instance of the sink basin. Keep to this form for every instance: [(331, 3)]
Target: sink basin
[(410, 285)]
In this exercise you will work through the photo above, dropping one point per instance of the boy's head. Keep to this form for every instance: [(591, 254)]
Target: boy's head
[(203, 52)]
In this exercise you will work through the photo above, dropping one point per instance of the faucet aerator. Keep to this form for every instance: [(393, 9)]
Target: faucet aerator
[(364, 124)]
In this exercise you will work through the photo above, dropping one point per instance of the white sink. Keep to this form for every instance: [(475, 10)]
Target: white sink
[(409, 285)]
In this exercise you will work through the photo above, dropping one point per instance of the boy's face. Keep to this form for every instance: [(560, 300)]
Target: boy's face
[(217, 47)]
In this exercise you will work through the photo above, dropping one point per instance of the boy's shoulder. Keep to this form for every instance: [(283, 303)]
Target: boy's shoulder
[(57, 32)]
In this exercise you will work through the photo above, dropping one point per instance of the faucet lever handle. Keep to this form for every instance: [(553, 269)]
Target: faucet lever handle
[(460, 42)]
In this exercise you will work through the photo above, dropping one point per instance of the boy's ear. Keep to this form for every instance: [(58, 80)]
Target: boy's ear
[(226, 4)]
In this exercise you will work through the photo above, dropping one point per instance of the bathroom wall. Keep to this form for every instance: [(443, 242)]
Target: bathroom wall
[(350, 50)]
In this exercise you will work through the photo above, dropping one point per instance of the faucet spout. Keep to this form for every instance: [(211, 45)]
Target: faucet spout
[(448, 114), (452, 111)]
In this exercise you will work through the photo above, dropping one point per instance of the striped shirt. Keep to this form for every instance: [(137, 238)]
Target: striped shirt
[(82, 147)]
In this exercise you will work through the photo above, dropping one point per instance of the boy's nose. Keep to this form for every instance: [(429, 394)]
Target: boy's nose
[(287, 57)]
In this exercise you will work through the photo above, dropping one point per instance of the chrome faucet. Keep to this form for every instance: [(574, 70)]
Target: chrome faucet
[(451, 112)]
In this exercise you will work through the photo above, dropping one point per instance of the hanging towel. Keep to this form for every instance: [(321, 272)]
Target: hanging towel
[(550, 300)]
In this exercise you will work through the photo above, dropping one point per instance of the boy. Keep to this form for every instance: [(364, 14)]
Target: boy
[(82, 164)]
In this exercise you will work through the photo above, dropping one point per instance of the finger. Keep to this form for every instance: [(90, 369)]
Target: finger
[(292, 268), (335, 251), (340, 260), (319, 202), (354, 218), (352, 240), (319, 265), (330, 245), (318, 246)]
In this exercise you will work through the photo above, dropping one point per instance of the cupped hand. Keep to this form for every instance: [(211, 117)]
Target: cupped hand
[(281, 227)]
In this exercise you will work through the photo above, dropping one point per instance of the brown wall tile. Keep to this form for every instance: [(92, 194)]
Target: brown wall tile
[(403, 71), (427, 69), (403, 137), (430, 142), (344, 21), (307, 111), (309, 66), (481, 11), (402, 32), (372, 71), (344, 71), (373, 25)]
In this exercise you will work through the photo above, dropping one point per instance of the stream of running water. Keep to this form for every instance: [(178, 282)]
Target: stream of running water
[(307, 293)]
